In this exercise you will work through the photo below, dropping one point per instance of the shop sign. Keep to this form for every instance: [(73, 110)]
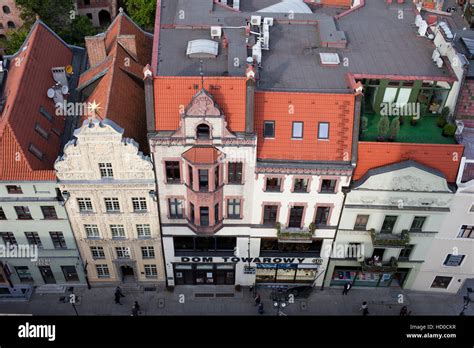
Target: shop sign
[(43, 262), (249, 270), (210, 259)]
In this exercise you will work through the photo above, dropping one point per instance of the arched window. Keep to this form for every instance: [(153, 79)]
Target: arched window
[(2, 37), (11, 25), (1, 25), (203, 131), (6, 9), (104, 18)]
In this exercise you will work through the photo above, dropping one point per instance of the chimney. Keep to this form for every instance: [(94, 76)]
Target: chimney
[(96, 49), (250, 99), (128, 42), (149, 98)]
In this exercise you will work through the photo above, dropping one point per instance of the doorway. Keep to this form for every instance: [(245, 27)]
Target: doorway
[(47, 274), (128, 275)]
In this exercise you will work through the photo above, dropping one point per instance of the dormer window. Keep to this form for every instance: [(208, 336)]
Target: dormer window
[(203, 132)]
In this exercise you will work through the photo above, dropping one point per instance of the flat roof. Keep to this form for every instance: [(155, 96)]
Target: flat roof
[(378, 43)]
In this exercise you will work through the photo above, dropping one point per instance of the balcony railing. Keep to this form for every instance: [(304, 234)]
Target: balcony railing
[(370, 265), (295, 235), (389, 239)]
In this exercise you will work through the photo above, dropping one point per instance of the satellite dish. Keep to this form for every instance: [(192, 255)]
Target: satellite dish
[(64, 89), (51, 93)]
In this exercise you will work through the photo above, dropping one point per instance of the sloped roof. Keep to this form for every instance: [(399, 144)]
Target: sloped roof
[(117, 81), (202, 155), (29, 78)]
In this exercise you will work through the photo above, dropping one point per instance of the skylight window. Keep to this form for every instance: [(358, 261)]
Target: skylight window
[(202, 49), (329, 58)]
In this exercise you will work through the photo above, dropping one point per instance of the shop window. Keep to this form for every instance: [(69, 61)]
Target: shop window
[(233, 208), (58, 240), (24, 274), (273, 185), (297, 130), (417, 224), (328, 186), (14, 190), (33, 239), (405, 253), (361, 222), (49, 212), (203, 132), (388, 224), (204, 244), (269, 129), (466, 231), (286, 273), (23, 213), (301, 185), (453, 260), (296, 217), (173, 173), (203, 180), (204, 215), (322, 216), (323, 130), (70, 273), (441, 282), (270, 213), (234, 175), (175, 208)]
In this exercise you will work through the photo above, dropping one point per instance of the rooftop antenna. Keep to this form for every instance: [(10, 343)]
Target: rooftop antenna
[(201, 72)]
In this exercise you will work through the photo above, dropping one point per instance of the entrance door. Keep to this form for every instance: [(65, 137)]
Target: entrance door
[(204, 274), (399, 278), (183, 275), (225, 275), (47, 274), (70, 273), (128, 275)]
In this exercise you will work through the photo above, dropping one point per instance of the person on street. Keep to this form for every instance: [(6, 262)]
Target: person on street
[(347, 287), (260, 308), (404, 312), (257, 300), (118, 295), (137, 306), (364, 308)]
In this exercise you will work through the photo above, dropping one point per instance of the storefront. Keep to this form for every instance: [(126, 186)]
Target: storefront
[(204, 274), (342, 275), (286, 273)]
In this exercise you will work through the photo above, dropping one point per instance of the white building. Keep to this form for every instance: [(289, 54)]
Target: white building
[(111, 203), (390, 218)]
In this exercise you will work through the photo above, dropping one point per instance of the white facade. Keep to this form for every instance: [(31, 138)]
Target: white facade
[(111, 203), (394, 213)]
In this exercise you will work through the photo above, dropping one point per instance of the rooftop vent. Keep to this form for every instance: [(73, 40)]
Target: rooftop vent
[(202, 49), (445, 30), (256, 20), (216, 32), (329, 58)]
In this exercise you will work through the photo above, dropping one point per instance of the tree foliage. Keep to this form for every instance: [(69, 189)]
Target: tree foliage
[(383, 127), (142, 12), (14, 40)]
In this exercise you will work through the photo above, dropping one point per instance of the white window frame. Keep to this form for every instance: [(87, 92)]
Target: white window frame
[(106, 170), (139, 204), (118, 230), (92, 230), (112, 204), (143, 230)]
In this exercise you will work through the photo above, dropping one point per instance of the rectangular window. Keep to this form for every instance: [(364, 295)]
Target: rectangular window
[(33, 239), (361, 222), (216, 213), (191, 176), (24, 274), (49, 212), (106, 171), (388, 224), (58, 240), (46, 114), (143, 231), (41, 131), (85, 204), (204, 213), (70, 273), (322, 216), (151, 271), (453, 260), (270, 215), (203, 180), (233, 208), (102, 271), (467, 231), (269, 129), (35, 151), (176, 208), (234, 175), (296, 217), (323, 130), (406, 252), (301, 185), (441, 282), (112, 205), (173, 173), (97, 252), (328, 186), (273, 185), (92, 231), (14, 190), (148, 252), (122, 252), (191, 212), (2, 214), (139, 204), (23, 213), (8, 238), (417, 224), (297, 132), (117, 231)]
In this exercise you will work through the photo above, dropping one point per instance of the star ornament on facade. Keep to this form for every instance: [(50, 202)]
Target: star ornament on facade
[(93, 108)]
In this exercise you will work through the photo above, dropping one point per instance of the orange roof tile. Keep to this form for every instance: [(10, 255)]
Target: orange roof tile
[(445, 158), (29, 77), (202, 155)]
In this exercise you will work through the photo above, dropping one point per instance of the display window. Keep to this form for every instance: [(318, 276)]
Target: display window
[(286, 273)]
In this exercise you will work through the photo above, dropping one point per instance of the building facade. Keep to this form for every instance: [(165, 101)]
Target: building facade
[(111, 203), (100, 12), (9, 17)]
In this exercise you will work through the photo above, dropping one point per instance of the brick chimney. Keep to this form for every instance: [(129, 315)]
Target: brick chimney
[(149, 98), (96, 49), (129, 43), (250, 99)]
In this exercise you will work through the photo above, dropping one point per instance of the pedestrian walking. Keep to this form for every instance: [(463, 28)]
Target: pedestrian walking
[(118, 295), (257, 300), (404, 312), (137, 306), (260, 308), (134, 311), (364, 308), (347, 287), (119, 291)]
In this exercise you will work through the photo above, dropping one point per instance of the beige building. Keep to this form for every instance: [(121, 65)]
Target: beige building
[(112, 204), (9, 17)]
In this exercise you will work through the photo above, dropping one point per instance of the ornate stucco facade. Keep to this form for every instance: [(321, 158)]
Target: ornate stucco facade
[(111, 203)]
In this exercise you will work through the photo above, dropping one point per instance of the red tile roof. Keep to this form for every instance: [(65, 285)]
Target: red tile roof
[(445, 158), (202, 155), (118, 79), (29, 78), (311, 108)]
